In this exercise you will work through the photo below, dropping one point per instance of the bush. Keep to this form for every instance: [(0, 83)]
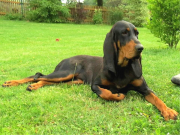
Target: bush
[(14, 16), (48, 11), (115, 15), (97, 17), (165, 20), (135, 11)]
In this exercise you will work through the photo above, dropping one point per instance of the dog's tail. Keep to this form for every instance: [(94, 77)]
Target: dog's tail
[(38, 75)]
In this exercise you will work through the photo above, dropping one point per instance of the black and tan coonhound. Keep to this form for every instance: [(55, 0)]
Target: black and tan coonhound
[(111, 76)]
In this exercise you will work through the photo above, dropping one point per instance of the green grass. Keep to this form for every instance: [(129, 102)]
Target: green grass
[(27, 48)]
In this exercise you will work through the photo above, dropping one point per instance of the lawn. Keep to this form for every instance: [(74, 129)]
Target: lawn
[(27, 48)]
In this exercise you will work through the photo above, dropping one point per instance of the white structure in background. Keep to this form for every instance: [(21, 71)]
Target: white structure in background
[(64, 1)]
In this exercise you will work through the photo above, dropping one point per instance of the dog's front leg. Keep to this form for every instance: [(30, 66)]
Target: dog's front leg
[(166, 112), (106, 93)]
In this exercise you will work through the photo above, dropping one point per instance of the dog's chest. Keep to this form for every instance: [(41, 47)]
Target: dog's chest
[(121, 82)]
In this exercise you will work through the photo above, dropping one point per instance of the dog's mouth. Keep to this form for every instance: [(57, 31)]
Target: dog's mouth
[(136, 57), (124, 62), (133, 58)]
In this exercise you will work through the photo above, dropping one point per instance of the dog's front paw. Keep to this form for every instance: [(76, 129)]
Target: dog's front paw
[(169, 114)]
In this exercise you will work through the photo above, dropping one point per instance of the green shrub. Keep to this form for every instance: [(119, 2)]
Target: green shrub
[(115, 15), (47, 11), (97, 17), (165, 20), (14, 16)]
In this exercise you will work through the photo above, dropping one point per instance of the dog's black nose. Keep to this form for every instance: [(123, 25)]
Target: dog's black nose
[(139, 48)]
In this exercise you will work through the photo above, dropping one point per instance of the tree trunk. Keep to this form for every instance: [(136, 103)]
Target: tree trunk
[(100, 2)]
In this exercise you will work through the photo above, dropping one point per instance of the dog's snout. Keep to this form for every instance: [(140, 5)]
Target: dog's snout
[(139, 48)]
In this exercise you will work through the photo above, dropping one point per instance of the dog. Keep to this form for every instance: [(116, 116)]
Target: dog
[(110, 76)]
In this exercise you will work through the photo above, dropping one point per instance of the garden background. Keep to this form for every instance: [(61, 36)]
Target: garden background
[(28, 47)]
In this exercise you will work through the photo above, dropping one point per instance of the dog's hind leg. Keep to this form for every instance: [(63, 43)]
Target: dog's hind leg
[(54, 78), (21, 81), (57, 77), (78, 81), (37, 85)]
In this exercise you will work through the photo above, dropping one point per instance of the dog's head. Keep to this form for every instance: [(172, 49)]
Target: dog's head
[(122, 46)]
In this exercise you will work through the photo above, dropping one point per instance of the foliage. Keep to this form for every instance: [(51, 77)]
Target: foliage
[(115, 15), (48, 11), (14, 16), (112, 3), (165, 20), (90, 2), (135, 11), (97, 17), (94, 2)]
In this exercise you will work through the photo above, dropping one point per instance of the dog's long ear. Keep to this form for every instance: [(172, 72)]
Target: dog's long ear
[(110, 52), (137, 67)]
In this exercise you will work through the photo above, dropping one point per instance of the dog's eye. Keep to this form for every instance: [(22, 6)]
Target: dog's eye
[(136, 32), (125, 33)]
